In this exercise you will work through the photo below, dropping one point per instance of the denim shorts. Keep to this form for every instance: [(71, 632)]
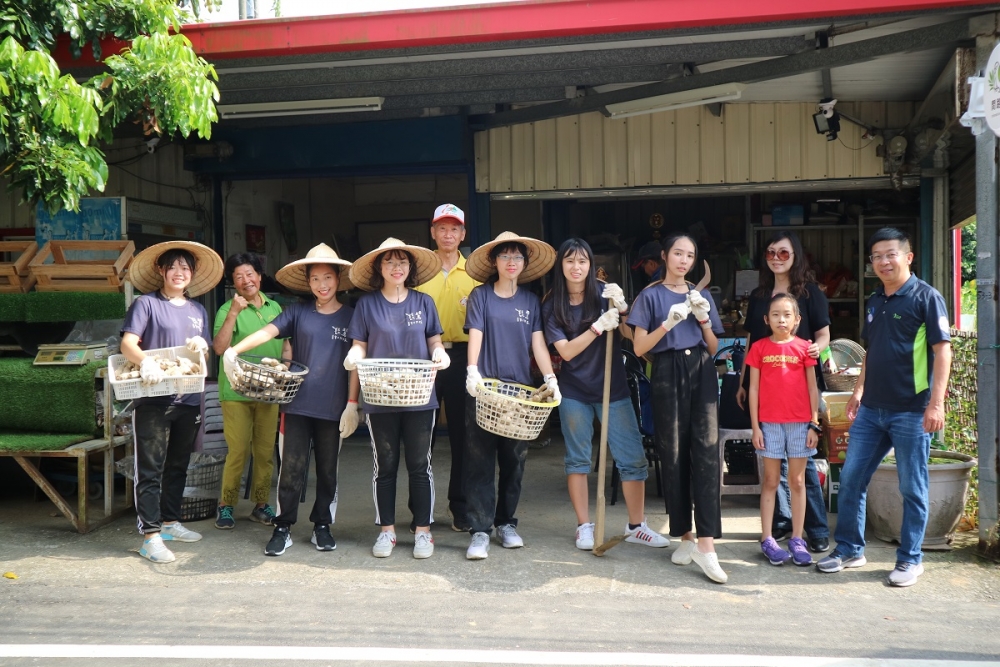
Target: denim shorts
[(786, 440), (624, 440)]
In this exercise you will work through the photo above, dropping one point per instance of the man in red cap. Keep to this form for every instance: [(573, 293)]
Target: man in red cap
[(649, 261)]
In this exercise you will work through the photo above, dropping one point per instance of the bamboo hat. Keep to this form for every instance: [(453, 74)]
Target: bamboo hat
[(428, 264), (145, 276), (541, 258), (293, 274)]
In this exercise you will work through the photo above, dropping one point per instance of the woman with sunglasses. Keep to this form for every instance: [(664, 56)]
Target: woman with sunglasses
[(786, 271)]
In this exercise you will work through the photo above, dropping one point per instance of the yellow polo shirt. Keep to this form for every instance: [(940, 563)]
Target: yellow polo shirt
[(450, 293)]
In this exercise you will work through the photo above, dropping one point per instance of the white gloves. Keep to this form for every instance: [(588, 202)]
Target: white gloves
[(472, 380), (150, 372), (349, 419), (196, 344), (608, 321), (699, 306), (440, 357), (231, 367), (615, 294), (678, 313), (553, 384), (354, 355)]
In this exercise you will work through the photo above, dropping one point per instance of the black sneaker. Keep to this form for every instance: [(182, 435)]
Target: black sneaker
[(280, 540), (818, 545), (780, 533), (322, 538), (224, 518)]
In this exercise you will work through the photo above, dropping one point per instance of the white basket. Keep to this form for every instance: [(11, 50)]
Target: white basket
[(126, 390), (500, 410), (265, 384), (397, 382)]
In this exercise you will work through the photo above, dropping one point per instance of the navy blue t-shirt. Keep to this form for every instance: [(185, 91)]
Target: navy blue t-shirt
[(320, 342), (651, 308), (159, 323), (507, 324), (900, 330), (582, 377), (396, 331)]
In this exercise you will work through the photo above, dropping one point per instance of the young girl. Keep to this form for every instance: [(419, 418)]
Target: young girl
[(577, 328), (396, 322), (165, 427), (325, 408), (679, 326), (784, 403), (505, 327)]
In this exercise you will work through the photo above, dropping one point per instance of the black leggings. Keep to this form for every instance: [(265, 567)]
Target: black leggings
[(685, 388), (412, 431), (293, 446), (164, 437)]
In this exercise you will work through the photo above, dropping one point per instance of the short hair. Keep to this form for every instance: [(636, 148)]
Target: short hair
[(378, 282), (889, 234), (333, 267), (509, 246), (239, 259), (782, 296), (167, 259)]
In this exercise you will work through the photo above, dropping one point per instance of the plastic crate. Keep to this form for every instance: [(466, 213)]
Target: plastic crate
[(126, 390), (202, 489)]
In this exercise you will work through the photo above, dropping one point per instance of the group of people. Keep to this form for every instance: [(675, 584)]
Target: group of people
[(442, 307)]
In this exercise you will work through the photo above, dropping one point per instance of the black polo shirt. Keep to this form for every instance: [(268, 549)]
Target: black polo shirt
[(901, 330)]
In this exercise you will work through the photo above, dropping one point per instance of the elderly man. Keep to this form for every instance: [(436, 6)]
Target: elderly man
[(649, 261), (450, 290), (908, 360), (249, 426)]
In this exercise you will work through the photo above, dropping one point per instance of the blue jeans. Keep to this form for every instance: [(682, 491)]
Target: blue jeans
[(815, 523), (576, 420), (873, 433)]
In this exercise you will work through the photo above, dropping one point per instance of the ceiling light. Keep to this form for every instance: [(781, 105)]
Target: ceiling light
[(300, 107), (688, 98)]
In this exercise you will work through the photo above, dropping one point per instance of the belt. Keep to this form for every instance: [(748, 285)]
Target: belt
[(450, 344)]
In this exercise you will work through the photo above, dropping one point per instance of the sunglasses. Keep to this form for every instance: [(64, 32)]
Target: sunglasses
[(781, 254)]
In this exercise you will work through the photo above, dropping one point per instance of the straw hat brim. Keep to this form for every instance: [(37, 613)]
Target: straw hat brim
[(145, 276), (541, 258), (293, 274), (428, 265)]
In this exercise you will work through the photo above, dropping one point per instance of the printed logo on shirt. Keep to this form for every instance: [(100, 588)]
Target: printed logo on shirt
[(339, 333), (463, 301), (195, 323), (778, 360), (416, 318), (523, 316)]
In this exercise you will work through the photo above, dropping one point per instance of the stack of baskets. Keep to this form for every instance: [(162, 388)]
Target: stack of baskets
[(848, 356), (507, 409), (269, 380), (397, 382), (203, 487)]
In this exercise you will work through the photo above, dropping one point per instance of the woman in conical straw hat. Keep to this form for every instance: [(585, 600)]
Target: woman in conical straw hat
[(505, 329), (165, 427), (394, 321), (325, 408)]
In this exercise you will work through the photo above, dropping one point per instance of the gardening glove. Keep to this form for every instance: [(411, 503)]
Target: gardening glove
[(150, 372), (441, 358), (349, 419), (231, 367), (354, 355), (678, 313), (196, 344), (608, 321), (472, 380), (553, 384), (615, 294), (699, 306)]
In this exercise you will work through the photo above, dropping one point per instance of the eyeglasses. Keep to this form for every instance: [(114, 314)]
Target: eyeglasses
[(517, 259), (396, 264), (780, 254), (890, 256)]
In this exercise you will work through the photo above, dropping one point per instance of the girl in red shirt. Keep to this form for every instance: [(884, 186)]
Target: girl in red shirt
[(784, 403)]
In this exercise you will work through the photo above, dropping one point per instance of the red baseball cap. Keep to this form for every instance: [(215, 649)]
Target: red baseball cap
[(449, 212)]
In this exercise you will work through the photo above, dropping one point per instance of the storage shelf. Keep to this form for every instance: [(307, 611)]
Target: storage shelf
[(804, 227)]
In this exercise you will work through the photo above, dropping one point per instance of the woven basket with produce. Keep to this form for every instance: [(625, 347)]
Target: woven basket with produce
[(268, 380), (842, 369), (513, 410), (397, 382), (184, 372)]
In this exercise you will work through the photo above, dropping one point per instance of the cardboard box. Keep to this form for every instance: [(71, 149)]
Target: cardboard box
[(788, 214), (838, 437), (833, 488), (836, 407)]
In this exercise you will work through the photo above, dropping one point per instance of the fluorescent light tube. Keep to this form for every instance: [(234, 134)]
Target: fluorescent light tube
[(300, 107), (688, 98)]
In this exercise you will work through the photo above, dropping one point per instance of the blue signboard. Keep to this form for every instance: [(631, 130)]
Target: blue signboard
[(99, 219)]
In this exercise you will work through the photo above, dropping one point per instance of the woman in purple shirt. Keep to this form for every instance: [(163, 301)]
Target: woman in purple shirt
[(680, 325)]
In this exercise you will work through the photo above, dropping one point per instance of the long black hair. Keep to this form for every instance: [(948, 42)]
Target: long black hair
[(669, 242), (559, 294), (798, 276)]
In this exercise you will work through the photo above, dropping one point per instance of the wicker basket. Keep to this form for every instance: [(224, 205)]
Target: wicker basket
[(265, 383), (397, 382), (848, 356), (503, 408), (126, 390), (202, 489)]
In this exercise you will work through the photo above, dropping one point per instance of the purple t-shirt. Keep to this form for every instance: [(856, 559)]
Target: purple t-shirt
[(158, 323), (582, 377), (320, 342), (651, 308), (507, 324), (396, 331)]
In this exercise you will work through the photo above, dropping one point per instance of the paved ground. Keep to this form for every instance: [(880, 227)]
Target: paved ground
[(226, 601)]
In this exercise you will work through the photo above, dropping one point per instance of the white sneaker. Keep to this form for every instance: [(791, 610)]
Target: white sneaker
[(585, 536), (156, 551), (643, 535), (509, 539), (423, 545), (682, 554), (384, 544), (709, 564), (479, 547), (178, 533)]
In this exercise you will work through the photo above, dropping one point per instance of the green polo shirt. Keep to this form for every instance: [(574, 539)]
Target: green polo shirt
[(249, 320)]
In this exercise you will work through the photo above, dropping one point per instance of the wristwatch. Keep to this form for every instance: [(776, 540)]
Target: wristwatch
[(814, 427)]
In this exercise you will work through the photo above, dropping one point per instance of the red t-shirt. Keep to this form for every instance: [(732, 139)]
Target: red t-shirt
[(784, 394)]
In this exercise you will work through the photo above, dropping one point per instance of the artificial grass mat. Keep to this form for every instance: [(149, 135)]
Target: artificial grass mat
[(40, 442), (12, 307), (47, 399), (73, 306)]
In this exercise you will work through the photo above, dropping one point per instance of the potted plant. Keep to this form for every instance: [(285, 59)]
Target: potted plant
[(949, 474)]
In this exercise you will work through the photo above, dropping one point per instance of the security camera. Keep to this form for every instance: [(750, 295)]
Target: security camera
[(826, 106), (151, 144), (827, 120)]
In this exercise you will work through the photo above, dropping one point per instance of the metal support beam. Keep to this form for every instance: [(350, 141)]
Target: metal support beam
[(810, 61)]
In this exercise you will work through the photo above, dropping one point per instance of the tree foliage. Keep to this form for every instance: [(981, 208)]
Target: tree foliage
[(52, 125)]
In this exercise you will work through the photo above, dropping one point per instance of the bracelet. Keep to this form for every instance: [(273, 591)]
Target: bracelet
[(350, 401), (550, 376), (707, 324), (815, 428)]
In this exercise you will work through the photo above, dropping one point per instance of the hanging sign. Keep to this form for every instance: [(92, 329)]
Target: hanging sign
[(991, 95)]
